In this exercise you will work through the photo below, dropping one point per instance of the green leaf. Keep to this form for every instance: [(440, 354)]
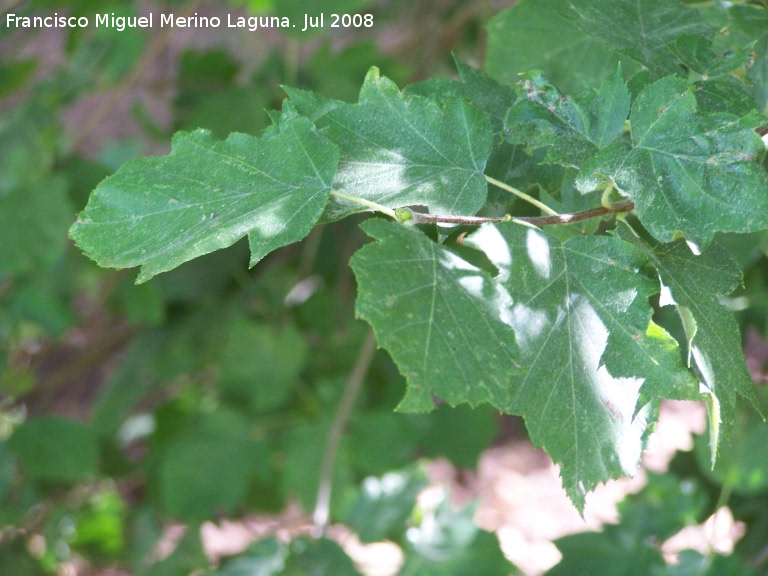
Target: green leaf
[(750, 23), (382, 440), (646, 31), (34, 219), (697, 54), (723, 96), (207, 194), (694, 283), (259, 365), (400, 151), (56, 450), (572, 128), (532, 35), (476, 86), (440, 318), (384, 504), (606, 554), (664, 506), (581, 316), (561, 334), (479, 426), (686, 172), (493, 98), (221, 458)]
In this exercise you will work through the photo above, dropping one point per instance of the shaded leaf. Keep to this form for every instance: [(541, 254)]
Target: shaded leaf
[(33, 220), (646, 31), (521, 39), (209, 468), (260, 365), (207, 194), (572, 129), (695, 282), (54, 449)]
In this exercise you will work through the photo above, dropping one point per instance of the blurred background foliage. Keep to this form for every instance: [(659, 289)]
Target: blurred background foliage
[(212, 390)]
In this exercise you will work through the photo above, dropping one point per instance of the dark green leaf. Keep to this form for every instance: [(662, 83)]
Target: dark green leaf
[(686, 172), (260, 365), (383, 440), (33, 220), (440, 318), (161, 212), (209, 468), (400, 151), (646, 31), (572, 129), (532, 35), (751, 22), (723, 96), (54, 449), (490, 96), (693, 563), (696, 53), (664, 506), (478, 425), (694, 283)]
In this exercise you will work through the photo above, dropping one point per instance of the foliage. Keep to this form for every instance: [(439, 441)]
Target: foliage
[(556, 237)]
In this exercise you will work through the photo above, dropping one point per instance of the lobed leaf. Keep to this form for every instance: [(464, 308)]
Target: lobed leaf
[(685, 171), (646, 31), (580, 315), (561, 334), (207, 194), (695, 282), (571, 129), (441, 318), (533, 35), (399, 151)]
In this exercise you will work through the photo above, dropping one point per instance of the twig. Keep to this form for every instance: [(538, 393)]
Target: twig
[(351, 390), (421, 218)]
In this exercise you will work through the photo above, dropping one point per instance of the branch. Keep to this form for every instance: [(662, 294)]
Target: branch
[(406, 214), (351, 390)]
